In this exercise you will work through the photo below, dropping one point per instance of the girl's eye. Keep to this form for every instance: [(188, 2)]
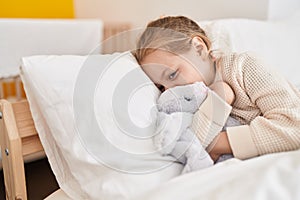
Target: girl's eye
[(173, 75)]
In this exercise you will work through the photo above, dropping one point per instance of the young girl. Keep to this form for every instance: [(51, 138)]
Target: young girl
[(176, 51)]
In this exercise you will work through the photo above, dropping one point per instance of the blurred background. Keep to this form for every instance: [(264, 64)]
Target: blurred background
[(139, 12)]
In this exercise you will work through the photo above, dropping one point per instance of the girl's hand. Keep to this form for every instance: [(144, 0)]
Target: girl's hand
[(219, 146)]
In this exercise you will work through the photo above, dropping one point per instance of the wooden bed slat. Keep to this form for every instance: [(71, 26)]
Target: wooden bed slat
[(21, 107), (27, 131), (24, 119), (31, 145)]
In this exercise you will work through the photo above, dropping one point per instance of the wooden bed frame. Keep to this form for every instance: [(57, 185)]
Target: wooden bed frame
[(18, 139)]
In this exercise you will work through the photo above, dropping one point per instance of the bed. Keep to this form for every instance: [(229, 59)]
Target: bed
[(254, 179), (81, 175)]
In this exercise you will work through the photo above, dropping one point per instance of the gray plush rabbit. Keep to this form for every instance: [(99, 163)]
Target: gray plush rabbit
[(176, 107)]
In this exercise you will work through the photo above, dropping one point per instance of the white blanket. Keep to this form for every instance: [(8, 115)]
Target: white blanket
[(274, 176)]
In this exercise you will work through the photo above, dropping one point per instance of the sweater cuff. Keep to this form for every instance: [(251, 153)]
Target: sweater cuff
[(215, 108), (241, 142), (209, 120)]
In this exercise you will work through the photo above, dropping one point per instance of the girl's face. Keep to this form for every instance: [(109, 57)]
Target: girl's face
[(168, 70)]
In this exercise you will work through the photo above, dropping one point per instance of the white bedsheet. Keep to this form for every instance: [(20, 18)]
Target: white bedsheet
[(274, 176)]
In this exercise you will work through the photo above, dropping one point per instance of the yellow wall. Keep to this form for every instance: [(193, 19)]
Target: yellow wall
[(36, 9)]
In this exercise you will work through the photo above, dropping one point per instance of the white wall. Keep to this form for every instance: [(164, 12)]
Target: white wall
[(279, 9), (139, 12)]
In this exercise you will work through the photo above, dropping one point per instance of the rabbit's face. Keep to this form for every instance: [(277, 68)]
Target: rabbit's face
[(186, 98)]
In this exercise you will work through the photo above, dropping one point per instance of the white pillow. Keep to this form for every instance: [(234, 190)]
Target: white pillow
[(95, 117), (217, 34), (277, 43)]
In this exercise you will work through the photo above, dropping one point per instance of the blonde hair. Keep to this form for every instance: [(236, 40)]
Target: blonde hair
[(171, 33)]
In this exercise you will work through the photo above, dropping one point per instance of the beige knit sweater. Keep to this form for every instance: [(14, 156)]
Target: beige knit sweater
[(265, 102)]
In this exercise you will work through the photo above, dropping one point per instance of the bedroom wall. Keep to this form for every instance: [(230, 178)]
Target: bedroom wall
[(279, 9), (139, 12)]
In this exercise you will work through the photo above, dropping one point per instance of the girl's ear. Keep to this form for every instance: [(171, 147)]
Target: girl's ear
[(199, 45)]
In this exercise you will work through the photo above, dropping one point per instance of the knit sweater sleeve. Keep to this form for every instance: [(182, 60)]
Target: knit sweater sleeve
[(278, 127), (210, 118)]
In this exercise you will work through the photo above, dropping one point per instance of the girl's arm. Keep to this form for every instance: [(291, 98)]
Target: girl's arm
[(224, 91), (277, 128), (210, 118), (219, 146)]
